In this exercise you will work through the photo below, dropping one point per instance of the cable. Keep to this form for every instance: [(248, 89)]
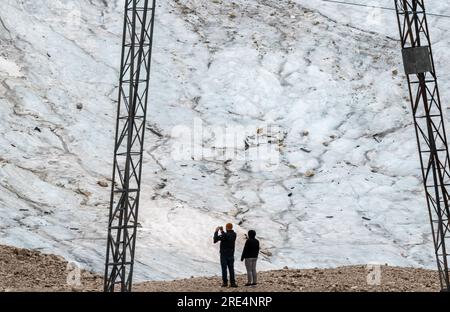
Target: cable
[(378, 7)]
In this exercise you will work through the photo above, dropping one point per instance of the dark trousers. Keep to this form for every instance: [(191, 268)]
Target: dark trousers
[(227, 262)]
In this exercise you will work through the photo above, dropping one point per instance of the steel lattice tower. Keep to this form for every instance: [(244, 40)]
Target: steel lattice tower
[(429, 123), (130, 127)]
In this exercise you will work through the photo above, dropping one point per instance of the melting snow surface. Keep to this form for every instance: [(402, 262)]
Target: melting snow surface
[(9, 68), (317, 89)]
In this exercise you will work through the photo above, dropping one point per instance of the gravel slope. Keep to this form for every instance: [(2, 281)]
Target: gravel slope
[(28, 270)]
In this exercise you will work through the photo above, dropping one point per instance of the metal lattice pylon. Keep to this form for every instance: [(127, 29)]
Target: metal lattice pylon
[(429, 123), (129, 141)]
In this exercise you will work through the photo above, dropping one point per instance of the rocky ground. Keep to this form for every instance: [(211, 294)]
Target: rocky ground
[(27, 270)]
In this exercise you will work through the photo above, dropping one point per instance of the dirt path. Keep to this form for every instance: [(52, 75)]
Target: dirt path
[(27, 270)]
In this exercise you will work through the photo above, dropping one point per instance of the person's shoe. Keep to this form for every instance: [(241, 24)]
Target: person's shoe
[(254, 284), (234, 285), (224, 285), (248, 284)]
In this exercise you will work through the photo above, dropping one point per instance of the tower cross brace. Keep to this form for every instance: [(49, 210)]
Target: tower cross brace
[(429, 124), (137, 44)]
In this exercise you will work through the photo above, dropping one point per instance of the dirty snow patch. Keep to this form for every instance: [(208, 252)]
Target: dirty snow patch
[(10, 68)]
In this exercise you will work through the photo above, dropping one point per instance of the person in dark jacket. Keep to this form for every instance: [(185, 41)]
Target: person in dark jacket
[(227, 242), (250, 255)]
